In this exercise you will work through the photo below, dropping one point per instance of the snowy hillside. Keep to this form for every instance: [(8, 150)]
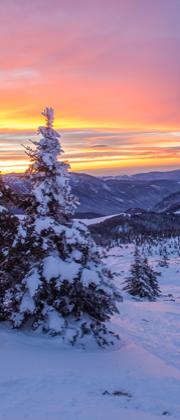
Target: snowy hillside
[(170, 204), (98, 220), (137, 380)]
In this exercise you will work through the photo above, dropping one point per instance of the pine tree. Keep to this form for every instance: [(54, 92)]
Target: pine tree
[(142, 281), (152, 278), (164, 259), (8, 222), (8, 230), (58, 282)]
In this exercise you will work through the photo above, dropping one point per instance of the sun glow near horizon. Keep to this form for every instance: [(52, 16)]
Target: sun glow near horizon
[(94, 150)]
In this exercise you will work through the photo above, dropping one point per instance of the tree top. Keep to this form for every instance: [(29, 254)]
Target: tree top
[(48, 113)]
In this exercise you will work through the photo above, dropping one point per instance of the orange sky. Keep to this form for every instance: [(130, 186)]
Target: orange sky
[(110, 70)]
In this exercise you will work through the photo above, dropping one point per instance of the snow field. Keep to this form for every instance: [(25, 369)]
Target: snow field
[(42, 379)]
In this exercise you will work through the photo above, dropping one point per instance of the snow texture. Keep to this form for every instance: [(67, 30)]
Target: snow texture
[(42, 379), (55, 267)]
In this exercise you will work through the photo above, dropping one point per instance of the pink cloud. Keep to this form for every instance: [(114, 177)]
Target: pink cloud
[(115, 63)]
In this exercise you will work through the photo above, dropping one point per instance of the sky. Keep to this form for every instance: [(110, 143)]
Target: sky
[(110, 69)]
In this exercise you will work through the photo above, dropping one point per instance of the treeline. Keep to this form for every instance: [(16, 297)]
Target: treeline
[(142, 227)]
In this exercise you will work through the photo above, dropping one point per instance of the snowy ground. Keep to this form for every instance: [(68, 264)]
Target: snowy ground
[(41, 380), (97, 220)]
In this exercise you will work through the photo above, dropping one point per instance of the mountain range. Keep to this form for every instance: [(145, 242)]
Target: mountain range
[(103, 196)]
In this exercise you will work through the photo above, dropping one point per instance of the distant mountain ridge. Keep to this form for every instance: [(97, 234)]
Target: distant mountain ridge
[(149, 176), (157, 175), (103, 196), (170, 204)]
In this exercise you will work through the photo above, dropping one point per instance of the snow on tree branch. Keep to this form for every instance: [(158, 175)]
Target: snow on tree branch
[(48, 113)]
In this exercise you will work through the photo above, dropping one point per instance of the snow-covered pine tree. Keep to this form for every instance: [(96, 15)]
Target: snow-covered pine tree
[(142, 281), (58, 283), (164, 257), (8, 230), (152, 278)]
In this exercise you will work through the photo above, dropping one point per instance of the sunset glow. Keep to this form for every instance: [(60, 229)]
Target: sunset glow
[(112, 77)]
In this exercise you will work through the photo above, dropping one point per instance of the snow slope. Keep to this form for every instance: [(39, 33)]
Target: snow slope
[(41, 379), (96, 220)]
